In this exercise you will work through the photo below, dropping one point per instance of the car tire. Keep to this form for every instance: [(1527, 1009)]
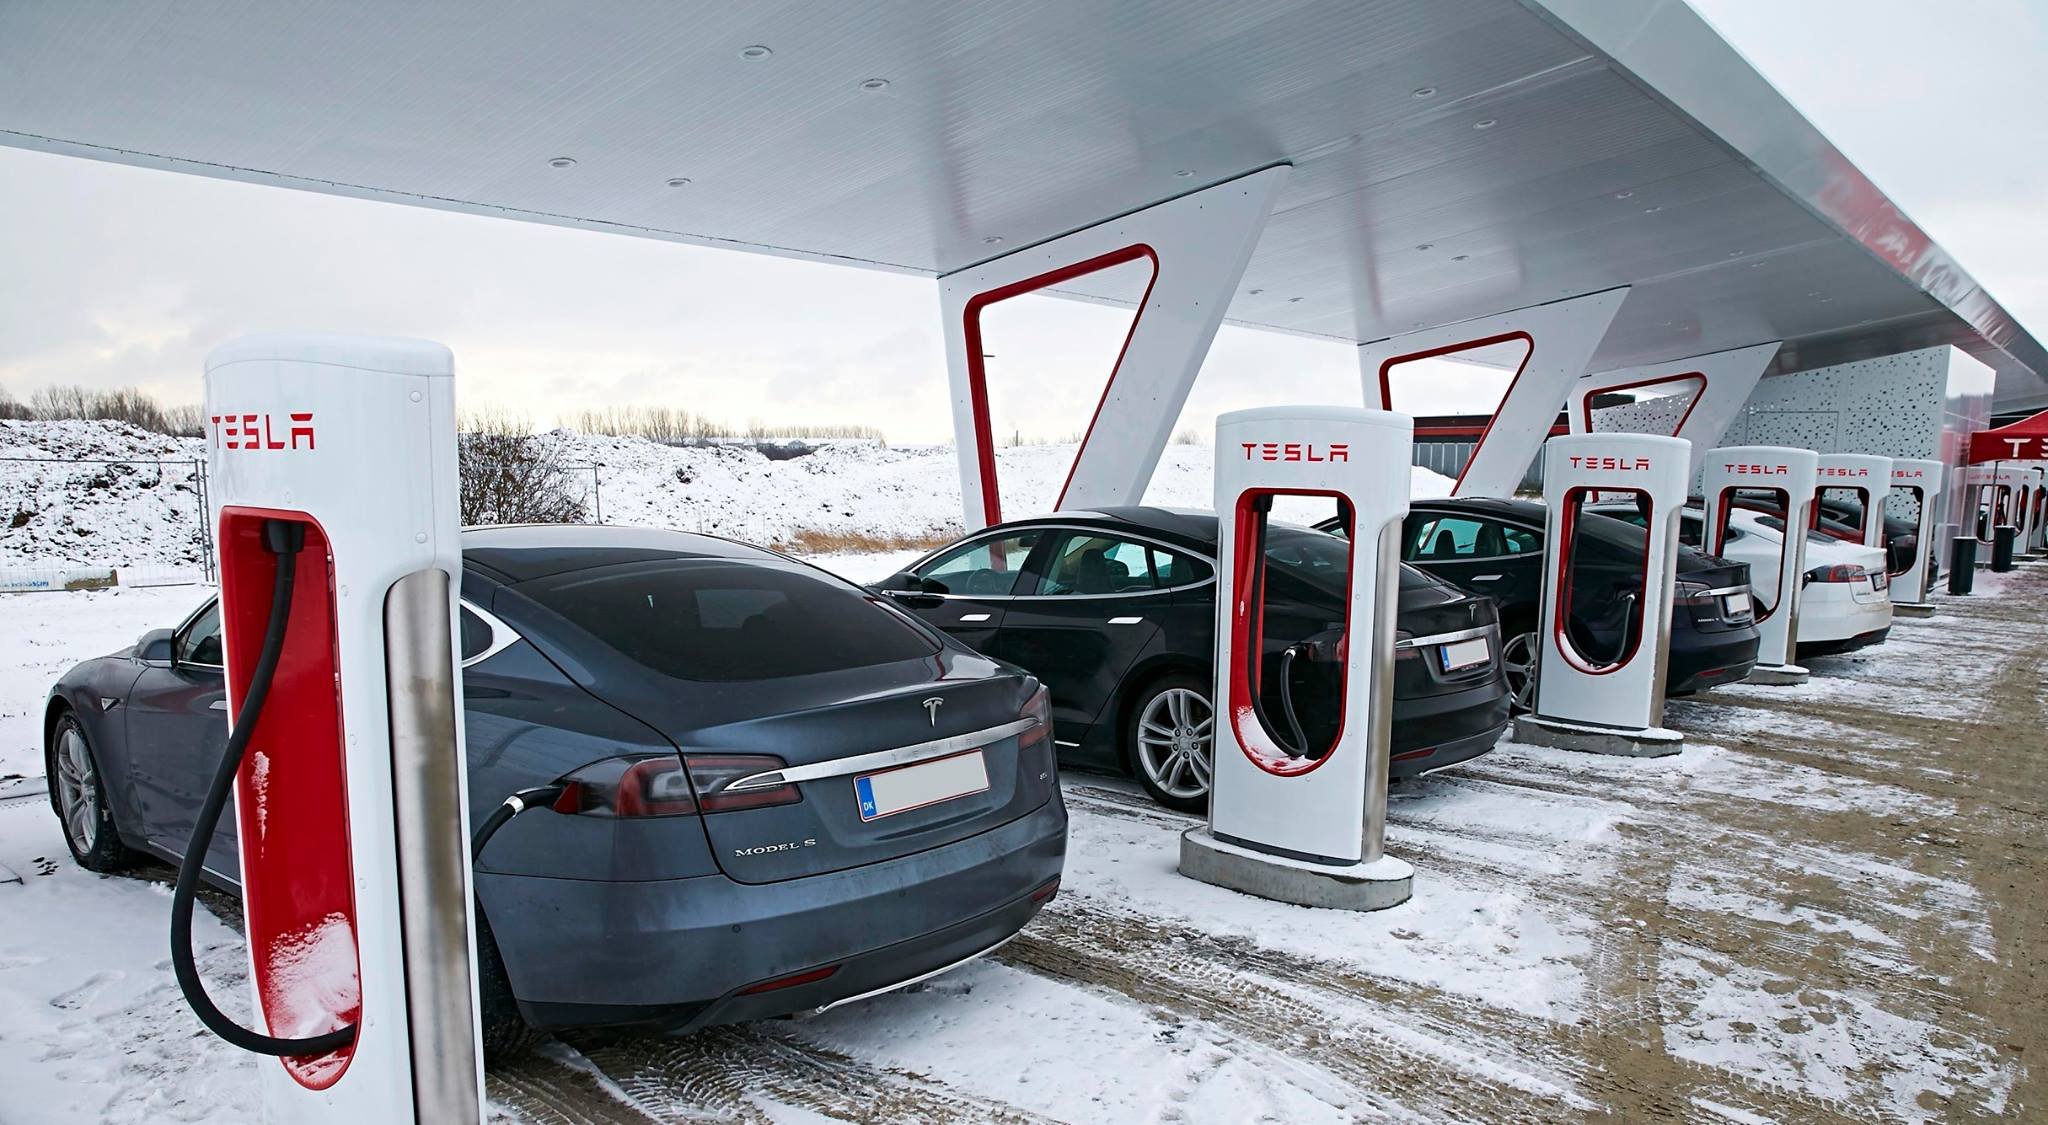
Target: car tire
[(506, 1034), (78, 796), (1170, 740), (1520, 658)]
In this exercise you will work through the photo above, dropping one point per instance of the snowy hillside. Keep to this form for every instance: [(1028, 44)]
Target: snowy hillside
[(135, 515)]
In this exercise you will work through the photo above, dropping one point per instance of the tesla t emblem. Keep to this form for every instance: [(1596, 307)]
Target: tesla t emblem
[(931, 709)]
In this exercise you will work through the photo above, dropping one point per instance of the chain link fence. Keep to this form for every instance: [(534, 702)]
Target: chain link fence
[(83, 523)]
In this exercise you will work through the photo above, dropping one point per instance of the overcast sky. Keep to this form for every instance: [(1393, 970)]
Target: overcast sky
[(114, 276)]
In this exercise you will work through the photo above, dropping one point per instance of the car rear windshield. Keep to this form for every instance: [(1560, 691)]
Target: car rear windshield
[(1322, 560), (716, 619), (1812, 536)]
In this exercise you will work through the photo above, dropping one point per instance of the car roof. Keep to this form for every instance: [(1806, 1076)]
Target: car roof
[(1189, 527), (518, 552), (1490, 505)]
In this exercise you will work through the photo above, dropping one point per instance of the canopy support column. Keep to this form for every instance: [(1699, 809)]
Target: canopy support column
[(1198, 246), (1559, 336), (1723, 382)]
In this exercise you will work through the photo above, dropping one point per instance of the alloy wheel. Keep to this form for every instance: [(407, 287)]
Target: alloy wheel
[(1518, 660), (78, 792), (1176, 733)]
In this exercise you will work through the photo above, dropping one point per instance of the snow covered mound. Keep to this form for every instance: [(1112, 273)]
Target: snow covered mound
[(131, 513), (134, 515)]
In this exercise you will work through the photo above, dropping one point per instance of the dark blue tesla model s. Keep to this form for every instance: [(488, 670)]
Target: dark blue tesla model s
[(779, 792)]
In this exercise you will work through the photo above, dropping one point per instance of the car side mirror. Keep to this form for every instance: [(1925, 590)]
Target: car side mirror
[(154, 647)]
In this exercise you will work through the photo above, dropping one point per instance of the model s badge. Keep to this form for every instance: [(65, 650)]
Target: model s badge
[(931, 709)]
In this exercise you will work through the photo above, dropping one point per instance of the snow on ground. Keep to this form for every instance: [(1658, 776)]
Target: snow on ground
[(1549, 895), (135, 516), (43, 634)]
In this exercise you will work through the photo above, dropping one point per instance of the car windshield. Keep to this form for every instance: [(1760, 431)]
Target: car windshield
[(720, 619)]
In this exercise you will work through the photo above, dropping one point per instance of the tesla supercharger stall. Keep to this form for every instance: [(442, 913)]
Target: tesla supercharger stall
[(1298, 801), (1919, 481), (333, 473), (1782, 478), (1605, 633), (1866, 478)]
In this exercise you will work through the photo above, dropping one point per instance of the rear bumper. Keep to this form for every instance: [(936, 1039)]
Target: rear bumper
[(1699, 661), (1839, 617), (1831, 648), (1434, 731), (679, 954)]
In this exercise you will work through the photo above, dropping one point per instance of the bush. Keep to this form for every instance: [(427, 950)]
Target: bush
[(12, 411), (511, 476)]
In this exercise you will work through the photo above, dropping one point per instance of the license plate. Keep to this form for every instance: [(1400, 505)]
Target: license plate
[(914, 787), (1735, 605), (1465, 654)]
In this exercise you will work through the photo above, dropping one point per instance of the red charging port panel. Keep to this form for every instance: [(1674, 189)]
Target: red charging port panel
[(292, 794)]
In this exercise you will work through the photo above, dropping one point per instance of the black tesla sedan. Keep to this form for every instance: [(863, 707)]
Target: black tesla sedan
[(1115, 610), (782, 792), (1495, 547)]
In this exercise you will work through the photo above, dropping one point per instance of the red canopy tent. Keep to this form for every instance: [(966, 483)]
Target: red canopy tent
[(2024, 440)]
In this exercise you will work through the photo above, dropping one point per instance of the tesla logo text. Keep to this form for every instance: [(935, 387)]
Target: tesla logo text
[(766, 849), (2019, 443), (1296, 451), (1623, 464), (1759, 470), (261, 431), (1908, 474), (931, 709), (1838, 471)]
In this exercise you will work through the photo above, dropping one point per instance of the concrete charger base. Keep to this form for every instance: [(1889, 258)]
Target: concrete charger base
[(1558, 734), (1377, 885), (1778, 675), (1913, 609)]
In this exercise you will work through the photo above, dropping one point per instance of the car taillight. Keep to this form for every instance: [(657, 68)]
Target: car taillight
[(1840, 572), (666, 785), (1038, 709), (714, 774), (1408, 653), (1687, 593)]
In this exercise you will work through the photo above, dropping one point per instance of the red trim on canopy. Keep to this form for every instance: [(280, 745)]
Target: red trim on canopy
[(2024, 440)]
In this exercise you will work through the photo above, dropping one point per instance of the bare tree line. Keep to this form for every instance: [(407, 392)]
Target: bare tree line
[(682, 427), (123, 404)]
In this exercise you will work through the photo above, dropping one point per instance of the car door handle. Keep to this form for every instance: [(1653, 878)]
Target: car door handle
[(217, 705), (1126, 620), (1488, 577), (966, 618)]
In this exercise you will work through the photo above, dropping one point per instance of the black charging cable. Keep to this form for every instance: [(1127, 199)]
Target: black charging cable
[(284, 539), (538, 797), (1287, 699)]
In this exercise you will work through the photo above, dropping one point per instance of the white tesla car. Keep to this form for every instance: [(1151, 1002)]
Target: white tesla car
[(1847, 602)]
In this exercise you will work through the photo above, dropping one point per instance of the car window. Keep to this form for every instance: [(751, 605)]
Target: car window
[(725, 620), (1447, 538), (1083, 563), (199, 642), (1175, 569), (476, 636), (987, 567)]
